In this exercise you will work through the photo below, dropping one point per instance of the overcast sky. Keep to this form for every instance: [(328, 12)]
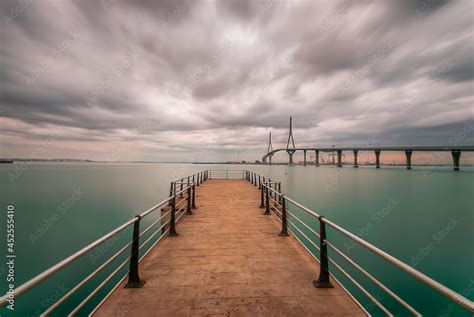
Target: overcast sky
[(204, 80)]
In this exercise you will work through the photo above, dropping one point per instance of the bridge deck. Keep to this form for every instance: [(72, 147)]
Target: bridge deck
[(229, 260)]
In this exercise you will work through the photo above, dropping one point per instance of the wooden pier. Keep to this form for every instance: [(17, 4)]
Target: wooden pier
[(229, 260)]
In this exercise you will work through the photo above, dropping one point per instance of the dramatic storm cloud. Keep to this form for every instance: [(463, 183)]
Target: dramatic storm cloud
[(203, 80)]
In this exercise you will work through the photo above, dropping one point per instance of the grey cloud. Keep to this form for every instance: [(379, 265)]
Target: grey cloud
[(335, 90)]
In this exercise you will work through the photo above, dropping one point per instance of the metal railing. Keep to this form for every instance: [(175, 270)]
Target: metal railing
[(178, 206), (276, 203)]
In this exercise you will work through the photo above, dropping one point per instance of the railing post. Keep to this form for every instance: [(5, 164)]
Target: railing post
[(193, 205), (227, 174), (181, 188), (134, 280), (279, 190), (259, 182), (173, 232), (189, 211), (267, 196), (284, 221), (323, 279), (193, 180), (197, 179), (262, 202), (171, 192)]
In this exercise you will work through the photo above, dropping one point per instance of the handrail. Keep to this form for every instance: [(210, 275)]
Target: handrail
[(47, 273), (23, 288), (440, 288)]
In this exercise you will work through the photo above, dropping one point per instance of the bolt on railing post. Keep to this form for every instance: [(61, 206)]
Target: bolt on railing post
[(189, 211), (134, 280), (173, 232), (193, 205), (284, 221), (267, 196), (262, 201), (323, 279)]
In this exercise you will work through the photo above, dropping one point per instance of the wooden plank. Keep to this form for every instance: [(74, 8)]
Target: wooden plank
[(229, 260)]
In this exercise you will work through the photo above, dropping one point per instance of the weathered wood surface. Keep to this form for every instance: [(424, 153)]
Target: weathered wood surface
[(229, 261)]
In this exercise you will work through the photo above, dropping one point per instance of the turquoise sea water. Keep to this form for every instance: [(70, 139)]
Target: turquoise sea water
[(424, 217)]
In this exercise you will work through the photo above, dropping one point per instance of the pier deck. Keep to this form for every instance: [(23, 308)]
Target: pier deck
[(229, 260)]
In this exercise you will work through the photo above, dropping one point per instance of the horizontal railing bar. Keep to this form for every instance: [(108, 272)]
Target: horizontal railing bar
[(305, 225), (179, 217), (302, 207), (372, 298), (373, 279), (146, 212), (154, 223), (153, 245), (84, 281), (45, 274), (332, 275), (153, 235), (88, 297), (108, 294), (304, 235), (440, 288)]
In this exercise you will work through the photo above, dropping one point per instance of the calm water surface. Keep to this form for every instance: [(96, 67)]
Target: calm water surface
[(423, 217)]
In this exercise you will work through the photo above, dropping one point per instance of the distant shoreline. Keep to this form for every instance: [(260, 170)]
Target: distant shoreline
[(22, 160)]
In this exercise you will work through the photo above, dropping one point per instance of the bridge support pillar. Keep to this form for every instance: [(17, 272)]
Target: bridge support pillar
[(339, 158), (317, 157), (290, 158), (270, 159), (355, 158), (408, 154), (456, 157), (377, 158), (304, 157)]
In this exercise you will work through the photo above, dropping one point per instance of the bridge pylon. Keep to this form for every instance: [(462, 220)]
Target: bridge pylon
[(270, 148), (290, 147)]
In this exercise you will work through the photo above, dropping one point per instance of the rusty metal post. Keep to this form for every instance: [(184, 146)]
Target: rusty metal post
[(284, 221), (262, 201), (323, 279), (134, 280)]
